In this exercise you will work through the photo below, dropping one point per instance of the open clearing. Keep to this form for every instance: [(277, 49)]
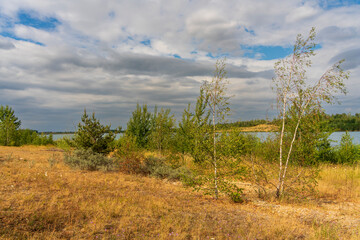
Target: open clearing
[(41, 198)]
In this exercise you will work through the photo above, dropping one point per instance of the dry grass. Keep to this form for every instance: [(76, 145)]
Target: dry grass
[(340, 183), (260, 128), (43, 199)]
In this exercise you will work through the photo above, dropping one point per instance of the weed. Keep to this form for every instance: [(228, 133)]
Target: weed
[(52, 160), (327, 231)]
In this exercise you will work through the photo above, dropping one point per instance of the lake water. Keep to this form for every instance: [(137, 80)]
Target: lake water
[(70, 135), (335, 137)]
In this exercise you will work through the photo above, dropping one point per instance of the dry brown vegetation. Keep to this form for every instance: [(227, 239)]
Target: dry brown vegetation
[(41, 198), (260, 128)]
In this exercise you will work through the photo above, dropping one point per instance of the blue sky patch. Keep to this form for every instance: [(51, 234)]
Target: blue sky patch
[(111, 15), (5, 21), (28, 19), (13, 36), (146, 42), (269, 52), (327, 5), (252, 32), (177, 56), (266, 52)]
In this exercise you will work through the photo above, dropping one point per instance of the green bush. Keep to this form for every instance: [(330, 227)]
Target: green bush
[(126, 145), (268, 150), (64, 143), (325, 153), (347, 151), (89, 160), (157, 167), (235, 143), (91, 134)]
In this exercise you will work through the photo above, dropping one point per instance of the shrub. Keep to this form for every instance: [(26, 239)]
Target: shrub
[(157, 167), (139, 125), (92, 135), (347, 152), (64, 143), (131, 163), (235, 143), (86, 159), (325, 153), (126, 145)]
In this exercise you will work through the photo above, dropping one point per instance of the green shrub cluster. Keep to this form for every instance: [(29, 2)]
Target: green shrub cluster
[(322, 151), (160, 168), (86, 159), (31, 137), (12, 135), (92, 143)]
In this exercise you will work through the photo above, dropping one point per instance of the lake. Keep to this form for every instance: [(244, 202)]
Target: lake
[(335, 137), (70, 135)]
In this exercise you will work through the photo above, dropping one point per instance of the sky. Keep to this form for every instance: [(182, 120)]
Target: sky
[(59, 57)]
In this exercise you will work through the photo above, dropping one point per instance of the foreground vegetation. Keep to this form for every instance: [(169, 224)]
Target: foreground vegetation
[(42, 198)]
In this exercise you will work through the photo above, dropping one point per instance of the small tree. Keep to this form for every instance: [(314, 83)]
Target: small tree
[(296, 98), (162, 129), (347, 151), (139, 125), (193, 129), (218, 104), (92, 135), (9, 124)]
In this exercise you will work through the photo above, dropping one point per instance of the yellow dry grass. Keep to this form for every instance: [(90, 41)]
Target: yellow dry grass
[(260, 128), (41, 198), (340, 183)]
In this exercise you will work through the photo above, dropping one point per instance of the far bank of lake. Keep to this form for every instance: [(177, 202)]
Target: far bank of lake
[(334, 137)]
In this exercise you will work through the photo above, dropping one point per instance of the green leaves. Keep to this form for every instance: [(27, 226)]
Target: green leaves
[(140, 125), (9, 124), (193, 133), (162, 129)]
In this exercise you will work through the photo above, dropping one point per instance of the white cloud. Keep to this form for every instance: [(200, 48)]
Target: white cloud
[(94, 56)]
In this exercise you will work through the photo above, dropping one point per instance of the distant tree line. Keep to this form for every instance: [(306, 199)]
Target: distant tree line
[(12, 135), (335, 122), (343, 122)]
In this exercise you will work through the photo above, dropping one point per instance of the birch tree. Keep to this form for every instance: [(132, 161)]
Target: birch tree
[(218, 103), (295, 94)]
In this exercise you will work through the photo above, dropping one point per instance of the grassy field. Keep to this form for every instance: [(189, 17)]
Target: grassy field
[(41, 198)]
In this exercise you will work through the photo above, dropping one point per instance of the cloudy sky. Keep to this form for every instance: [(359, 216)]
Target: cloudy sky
[(58, 57)]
